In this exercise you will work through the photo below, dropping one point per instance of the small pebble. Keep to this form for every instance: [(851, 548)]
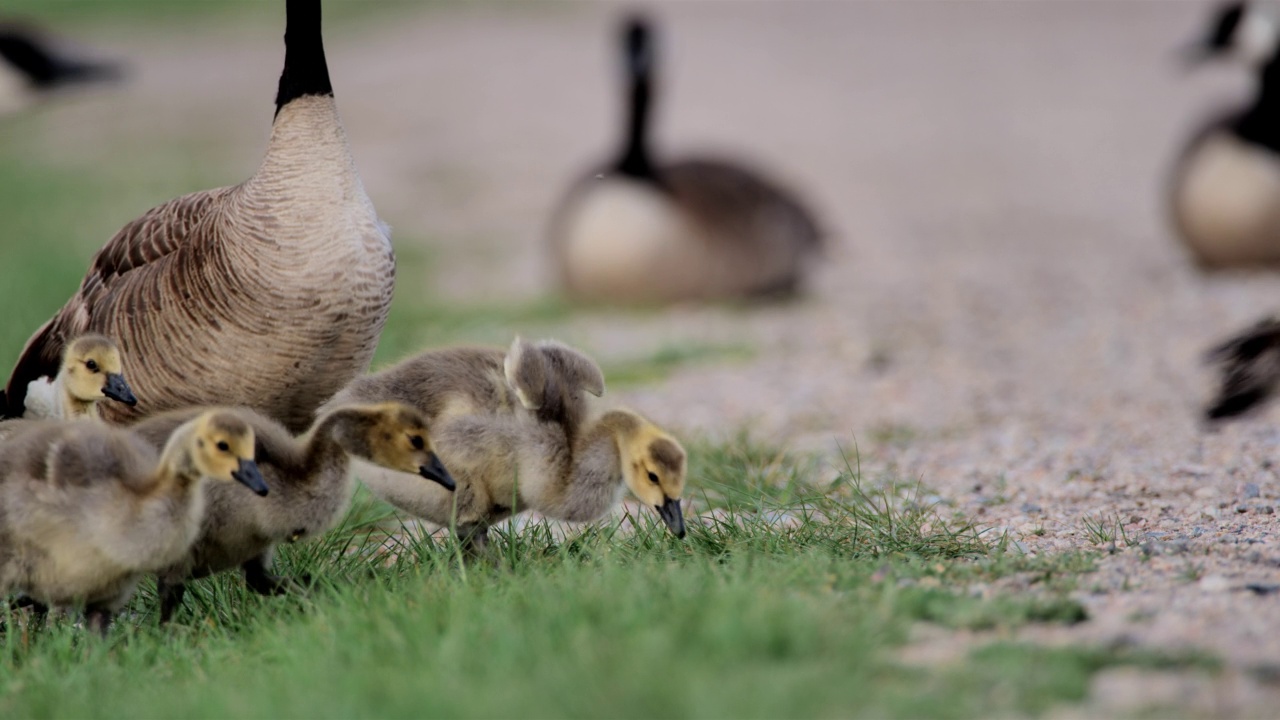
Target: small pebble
[(1242, 508), (1267, 510), (1031, 508), (1251, 490)]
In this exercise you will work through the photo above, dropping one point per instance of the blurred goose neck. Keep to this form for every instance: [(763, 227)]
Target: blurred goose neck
[(305, 71), (1260, 123), (638, 51)]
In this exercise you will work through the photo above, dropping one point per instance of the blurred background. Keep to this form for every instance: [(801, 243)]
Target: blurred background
[(990, 174)]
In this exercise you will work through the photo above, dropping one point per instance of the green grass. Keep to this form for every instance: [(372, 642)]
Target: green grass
[(747, 617)]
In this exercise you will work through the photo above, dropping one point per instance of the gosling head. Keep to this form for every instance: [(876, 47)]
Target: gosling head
[(221, 448), (92, 370), (653, 465), (396, 437), (1240, 30)]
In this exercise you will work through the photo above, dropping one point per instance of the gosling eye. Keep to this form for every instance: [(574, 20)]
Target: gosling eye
[(92, 365), (417, 442), (223, 446), (653, 477)]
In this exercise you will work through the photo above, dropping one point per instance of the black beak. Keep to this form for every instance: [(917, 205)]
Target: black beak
[(117, 389), (670, 513), (250, 476), (435, 470)]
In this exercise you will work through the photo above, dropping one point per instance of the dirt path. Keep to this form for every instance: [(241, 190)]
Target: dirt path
[(1004, 314)]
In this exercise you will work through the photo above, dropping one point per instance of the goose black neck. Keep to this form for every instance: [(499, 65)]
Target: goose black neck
[(637, 45), (635, 154), (1260, 123), (305, 72)]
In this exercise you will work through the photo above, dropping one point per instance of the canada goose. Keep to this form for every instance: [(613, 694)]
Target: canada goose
[(311, 485), (545, 377), (506, 464), (642, 231), (31, 68), (1225, 191), (270, 294), (91, 371), (1249, 368), (86, 508)]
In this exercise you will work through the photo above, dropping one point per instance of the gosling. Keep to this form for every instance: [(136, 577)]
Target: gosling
[(92, 370), (87, 509), (506, 464), (311, 487)]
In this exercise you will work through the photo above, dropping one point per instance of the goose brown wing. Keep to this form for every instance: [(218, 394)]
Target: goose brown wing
[(124, 268), (727, 196)]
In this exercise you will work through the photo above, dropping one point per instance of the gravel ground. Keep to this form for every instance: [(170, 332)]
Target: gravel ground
[(1003, 314)]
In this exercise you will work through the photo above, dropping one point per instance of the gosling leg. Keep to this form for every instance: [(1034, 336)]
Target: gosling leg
[(98, 618), (171, 595), (475, 539), (262, 581)]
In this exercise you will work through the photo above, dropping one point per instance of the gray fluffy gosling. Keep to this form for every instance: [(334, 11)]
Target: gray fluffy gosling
[(515, 431), (87, 509), (311, 486)]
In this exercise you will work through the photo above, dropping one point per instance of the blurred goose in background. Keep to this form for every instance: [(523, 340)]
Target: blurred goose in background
[(1249, 370), (32, 68), (640, 230), (1226, 184), (270, 294)]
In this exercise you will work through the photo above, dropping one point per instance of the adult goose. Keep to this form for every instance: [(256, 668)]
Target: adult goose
[(269, 294), (1225, 190), (32, 68), (641, 231)]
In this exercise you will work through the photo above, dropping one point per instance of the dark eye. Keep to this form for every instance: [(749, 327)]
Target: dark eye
[(417, 442), (653, 477), (92, 365), (223, 446)]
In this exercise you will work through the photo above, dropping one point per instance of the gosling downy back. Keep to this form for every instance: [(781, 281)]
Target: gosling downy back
[(643, 231), (31, 68), (269, 294), (1225, 187)]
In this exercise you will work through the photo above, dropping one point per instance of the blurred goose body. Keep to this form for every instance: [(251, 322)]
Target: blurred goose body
[(1226, 184)]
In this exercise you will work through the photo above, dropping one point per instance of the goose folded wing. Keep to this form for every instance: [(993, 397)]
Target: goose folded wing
[(122, 270)]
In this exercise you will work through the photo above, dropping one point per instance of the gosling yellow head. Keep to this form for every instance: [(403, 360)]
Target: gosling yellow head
[(222, 448), (396, 437), (653, 465), (92, 370)]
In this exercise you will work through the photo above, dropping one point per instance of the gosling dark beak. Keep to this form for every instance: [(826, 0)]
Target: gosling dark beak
[(117, 389), (435, 470), (250, 476), (670, 513)]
